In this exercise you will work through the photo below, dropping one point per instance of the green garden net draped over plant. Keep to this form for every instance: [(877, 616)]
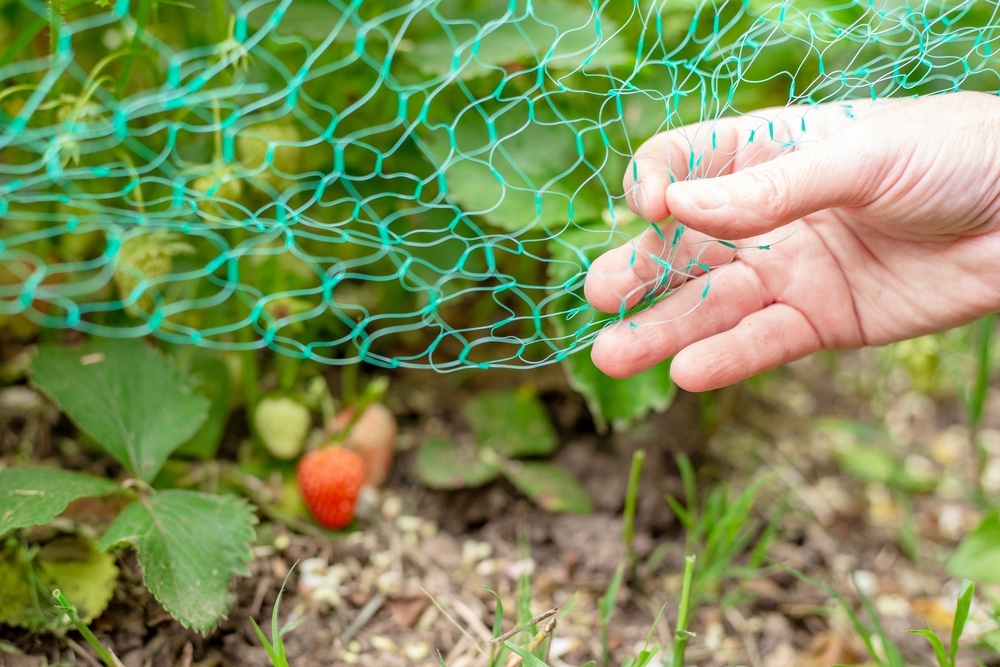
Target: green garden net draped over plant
[(416, 184)]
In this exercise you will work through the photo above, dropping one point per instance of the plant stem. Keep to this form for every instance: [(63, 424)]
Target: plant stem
[(106, 656), (631, 500), (56, 10), (983, 332), (349, 384), (220, 23), (681, 633), (141, 19)]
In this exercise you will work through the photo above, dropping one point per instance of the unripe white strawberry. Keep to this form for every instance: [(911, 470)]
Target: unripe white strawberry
[(145, 257), (373, 436), (252, 146), (227, 190), (282, 425)]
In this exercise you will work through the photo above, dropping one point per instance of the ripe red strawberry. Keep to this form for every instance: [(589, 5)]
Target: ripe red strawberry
[(330, 479)]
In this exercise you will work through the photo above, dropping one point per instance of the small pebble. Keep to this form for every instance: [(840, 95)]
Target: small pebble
[(473, 551), (408, 523), (384, 644), (354, 646), (350, 658), (392, 507), (866, 582), (416, 651)]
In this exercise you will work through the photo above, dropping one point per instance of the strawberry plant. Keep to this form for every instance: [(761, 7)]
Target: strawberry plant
[(511, 428), (128, 399)]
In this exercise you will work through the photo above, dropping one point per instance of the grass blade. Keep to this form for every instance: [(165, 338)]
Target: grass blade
[(605, 607), (631, 500), (935, 642), (64, 605), (965, 595), (681, 634)]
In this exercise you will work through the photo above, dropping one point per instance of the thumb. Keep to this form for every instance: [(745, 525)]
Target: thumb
[(766, 196)]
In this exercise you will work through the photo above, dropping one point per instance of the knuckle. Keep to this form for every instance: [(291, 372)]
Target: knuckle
[(771, 186)]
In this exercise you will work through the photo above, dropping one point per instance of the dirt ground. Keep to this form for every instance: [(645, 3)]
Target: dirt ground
[(409, 582)]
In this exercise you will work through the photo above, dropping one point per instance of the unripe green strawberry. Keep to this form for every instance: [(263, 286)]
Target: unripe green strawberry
[(146, 257), (330, 479), (283, 425), (252, 146)]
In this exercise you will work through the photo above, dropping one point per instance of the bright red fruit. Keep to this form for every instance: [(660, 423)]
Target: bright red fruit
[(330, 479)]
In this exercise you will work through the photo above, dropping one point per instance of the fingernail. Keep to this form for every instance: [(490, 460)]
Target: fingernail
[(702, 195), (640, 200)]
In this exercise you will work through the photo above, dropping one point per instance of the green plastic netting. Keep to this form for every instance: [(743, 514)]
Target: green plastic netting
[(416, 184)]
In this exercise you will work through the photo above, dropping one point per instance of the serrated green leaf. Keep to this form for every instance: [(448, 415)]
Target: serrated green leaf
[(552, 488), (126, 396), (512, 423), (210, 378), (442, 465), (35, 496), (977, 555), (189, 545), (620, 403)]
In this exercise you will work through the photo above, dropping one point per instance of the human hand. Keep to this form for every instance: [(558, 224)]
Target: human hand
[(882, 227)]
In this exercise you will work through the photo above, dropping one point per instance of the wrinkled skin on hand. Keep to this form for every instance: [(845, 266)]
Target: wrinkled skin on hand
[(884, 221)]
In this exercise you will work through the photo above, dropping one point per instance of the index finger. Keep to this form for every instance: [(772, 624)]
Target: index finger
[(721, 147)]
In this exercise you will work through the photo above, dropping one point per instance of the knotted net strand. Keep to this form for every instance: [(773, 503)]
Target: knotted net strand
[(418, 184)]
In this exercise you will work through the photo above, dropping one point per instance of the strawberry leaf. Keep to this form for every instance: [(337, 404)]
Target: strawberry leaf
[(189, 544), (35, 496), (512, 423), (977, 555), (442, 465), (126, 396), (552, 488)]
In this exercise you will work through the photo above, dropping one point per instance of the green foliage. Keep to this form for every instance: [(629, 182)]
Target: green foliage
[(880, 646), (129, 399), (209, 377), (871, 463), (35, 496), (189, 544), (605, 607), (979, 552), (508, 425), (720, 529), (126, 396)]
